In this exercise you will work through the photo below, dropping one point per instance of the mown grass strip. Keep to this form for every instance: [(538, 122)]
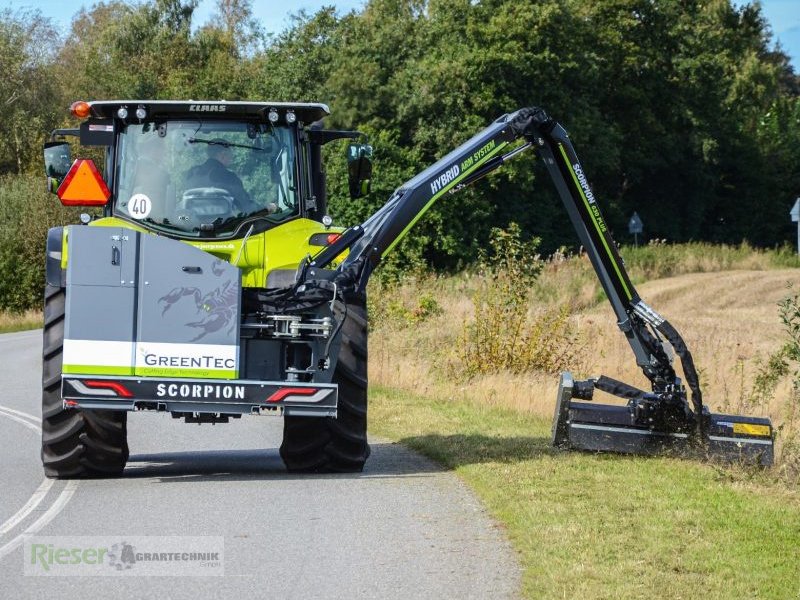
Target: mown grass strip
[(603, 526)]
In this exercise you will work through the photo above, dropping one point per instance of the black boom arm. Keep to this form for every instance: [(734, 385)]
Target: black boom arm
[(532, 128)]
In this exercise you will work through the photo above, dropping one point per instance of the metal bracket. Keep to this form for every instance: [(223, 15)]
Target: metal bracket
[(560, 432)]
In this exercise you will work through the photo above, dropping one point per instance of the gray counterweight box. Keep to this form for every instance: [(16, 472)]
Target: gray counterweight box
[(139, 304)]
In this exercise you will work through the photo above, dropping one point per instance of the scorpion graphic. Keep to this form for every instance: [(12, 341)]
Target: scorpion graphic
[(218, 304)]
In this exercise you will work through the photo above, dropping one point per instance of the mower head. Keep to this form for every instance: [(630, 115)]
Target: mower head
[(654, 424)]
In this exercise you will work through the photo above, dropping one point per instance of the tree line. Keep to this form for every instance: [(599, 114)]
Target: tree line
[(680, 110)]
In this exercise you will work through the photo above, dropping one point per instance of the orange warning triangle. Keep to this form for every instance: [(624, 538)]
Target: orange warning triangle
[(83, 185)]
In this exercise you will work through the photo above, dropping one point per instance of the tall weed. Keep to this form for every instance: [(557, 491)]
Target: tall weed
[(389, 306), (785, 362), (503, 335)]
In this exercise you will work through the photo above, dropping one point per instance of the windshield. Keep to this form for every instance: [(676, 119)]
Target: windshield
[(197, 178)]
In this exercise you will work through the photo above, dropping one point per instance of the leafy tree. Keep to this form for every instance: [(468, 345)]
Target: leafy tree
[(87, 66), (28, 90), (297, 63), (679, 109)]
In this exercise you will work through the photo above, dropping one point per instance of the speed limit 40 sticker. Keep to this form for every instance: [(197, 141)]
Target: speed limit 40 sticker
[(139, 206)]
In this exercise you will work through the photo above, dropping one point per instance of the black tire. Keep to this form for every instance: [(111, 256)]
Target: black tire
[(324, 445), (75, 443)]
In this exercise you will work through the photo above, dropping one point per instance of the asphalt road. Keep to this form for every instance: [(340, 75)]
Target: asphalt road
[(402, 529)]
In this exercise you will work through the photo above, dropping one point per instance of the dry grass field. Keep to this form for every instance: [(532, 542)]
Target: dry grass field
[(30, 319), (728, 318)]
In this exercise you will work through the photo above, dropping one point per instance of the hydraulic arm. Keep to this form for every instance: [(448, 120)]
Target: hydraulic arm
[(651, 420)]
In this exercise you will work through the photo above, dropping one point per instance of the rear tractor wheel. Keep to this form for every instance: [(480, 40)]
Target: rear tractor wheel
[(325, 445), (75, 443)]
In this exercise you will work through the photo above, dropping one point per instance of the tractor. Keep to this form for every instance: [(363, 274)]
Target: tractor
[(214, 285)]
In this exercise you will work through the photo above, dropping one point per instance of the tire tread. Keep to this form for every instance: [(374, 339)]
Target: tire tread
[(324, 445), (75, 443)]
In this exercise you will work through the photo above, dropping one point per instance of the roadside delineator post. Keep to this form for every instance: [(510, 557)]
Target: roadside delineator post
[(635, 227)]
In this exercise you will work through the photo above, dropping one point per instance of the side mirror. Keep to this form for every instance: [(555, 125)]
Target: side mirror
[(57, 162), (359, 169)]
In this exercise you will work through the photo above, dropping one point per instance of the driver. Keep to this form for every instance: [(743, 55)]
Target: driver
[(215, 173)]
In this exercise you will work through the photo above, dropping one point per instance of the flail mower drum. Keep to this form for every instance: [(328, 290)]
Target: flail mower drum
[(636, 428)]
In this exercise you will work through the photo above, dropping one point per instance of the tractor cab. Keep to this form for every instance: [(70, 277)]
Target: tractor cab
[(192, 170), (193, 179)]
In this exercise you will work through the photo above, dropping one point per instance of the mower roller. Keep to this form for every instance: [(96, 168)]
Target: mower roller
[(584, 425)]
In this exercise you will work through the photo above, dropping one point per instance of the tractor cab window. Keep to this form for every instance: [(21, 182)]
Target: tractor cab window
[(196, 178)]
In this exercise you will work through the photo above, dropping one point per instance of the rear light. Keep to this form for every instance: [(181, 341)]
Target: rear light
[(80, 109), (120, 389), (323, 239)]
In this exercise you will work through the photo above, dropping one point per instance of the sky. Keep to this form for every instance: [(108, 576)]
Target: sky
[(783, 15), (274, 16)]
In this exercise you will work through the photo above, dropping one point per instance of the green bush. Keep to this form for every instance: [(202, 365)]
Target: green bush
[(401, 312), (786, 361), (27, 211), (503, 337), (422, 309)]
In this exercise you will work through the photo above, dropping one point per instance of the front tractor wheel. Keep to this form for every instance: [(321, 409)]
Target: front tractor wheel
[(325, 445), (75, 443)]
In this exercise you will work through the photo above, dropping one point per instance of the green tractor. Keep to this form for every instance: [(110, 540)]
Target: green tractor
[(214, 286), (241, 185)]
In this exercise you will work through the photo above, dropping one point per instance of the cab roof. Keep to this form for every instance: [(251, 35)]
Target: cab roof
[(305, 112)]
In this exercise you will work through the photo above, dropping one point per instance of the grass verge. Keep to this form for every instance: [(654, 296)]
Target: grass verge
[(31, 319), (604, 526)]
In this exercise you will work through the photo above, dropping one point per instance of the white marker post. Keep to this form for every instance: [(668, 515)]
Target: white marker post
[(795, 214)]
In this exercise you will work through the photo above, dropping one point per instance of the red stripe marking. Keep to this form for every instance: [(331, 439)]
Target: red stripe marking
[(284, 392)]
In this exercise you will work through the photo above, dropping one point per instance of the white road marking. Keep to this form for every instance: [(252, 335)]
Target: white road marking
[(32, 422), (29, 507), (24, 422), (48, 516), (19, 413)]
